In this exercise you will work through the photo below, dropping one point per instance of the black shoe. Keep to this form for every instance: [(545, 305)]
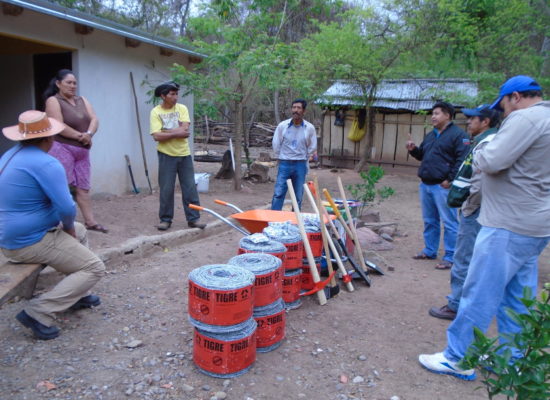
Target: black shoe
[(41, 331), (86, 302), (442, 313), (196, 224)]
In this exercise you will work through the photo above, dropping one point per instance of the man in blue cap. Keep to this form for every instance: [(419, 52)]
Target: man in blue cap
[(515, 210), (465, 193)]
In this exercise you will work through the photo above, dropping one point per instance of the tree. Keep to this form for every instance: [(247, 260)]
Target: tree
[(362, 47), (245, 54), (166, 18)]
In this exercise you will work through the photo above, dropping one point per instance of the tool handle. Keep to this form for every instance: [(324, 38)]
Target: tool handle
[(358, 249), (332, 203), (337, 213), (223, 203), (339, 262), (195, 207), (321, 297)]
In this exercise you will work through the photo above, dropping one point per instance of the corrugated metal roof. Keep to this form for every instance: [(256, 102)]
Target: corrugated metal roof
[(55, 10), (400, 94)]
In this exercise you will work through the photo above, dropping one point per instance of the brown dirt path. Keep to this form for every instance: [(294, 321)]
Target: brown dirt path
[(373, 335)]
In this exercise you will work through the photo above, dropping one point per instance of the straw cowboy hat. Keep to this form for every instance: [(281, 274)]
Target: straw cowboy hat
[(32, 125)]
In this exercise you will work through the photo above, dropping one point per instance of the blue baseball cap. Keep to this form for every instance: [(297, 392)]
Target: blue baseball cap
[(483, 111), (519, 83)]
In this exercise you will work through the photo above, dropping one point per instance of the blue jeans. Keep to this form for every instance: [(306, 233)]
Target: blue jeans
[(468, 229), (295, 171), (169, 168), (503, 263), (433, 200)]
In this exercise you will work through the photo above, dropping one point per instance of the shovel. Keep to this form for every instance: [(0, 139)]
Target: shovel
[(365, 263)]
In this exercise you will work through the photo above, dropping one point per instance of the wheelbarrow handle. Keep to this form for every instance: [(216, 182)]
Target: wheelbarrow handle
[(225, 203), (215, 214)]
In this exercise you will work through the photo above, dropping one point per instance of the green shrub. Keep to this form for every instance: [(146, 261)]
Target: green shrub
[(366, 191), (526, 378)]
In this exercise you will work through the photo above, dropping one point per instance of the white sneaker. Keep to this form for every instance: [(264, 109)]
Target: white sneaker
[(439, 364)]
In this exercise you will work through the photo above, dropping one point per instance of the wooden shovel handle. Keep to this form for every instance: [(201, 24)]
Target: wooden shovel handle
[(337, 213), (314, 273)]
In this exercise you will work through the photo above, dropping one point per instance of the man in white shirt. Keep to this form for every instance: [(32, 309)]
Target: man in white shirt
[(294, 142)]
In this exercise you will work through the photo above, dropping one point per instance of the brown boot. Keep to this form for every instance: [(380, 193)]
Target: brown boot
[(443, 312)]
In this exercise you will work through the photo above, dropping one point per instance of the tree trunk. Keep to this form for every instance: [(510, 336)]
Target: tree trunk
[(545, 53), (276, 107), (238, 143), (371, 126), (184, 14)]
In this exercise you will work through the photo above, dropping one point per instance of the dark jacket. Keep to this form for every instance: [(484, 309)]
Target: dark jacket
[(441, 156)]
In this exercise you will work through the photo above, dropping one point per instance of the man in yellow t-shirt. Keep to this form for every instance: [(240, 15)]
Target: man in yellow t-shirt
[(170, 128)]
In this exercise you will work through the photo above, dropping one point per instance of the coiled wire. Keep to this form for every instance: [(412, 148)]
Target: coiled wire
[(247, 329), (260, 243), (264, 311), (284, 232), (257, 263), (221, 277)]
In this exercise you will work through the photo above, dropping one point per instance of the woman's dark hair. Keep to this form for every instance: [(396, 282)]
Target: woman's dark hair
[(447, 108), (52, 88)]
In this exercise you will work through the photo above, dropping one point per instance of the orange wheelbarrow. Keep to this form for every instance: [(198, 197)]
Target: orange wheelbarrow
[(254, 221)]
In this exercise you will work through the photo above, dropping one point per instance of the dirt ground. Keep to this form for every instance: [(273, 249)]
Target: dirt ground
[(361, 345)]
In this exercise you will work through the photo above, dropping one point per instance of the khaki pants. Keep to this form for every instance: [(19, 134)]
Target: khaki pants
[(65, 254)]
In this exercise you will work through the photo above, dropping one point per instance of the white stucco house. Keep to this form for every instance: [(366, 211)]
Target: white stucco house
[(37, 38)]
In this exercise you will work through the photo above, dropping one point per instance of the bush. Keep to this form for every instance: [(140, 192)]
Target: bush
[(366, 192), (526, 378)]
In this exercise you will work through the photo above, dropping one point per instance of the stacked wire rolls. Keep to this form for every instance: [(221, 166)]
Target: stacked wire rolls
[(221, 302), (260, 243), (289, 235), (225, 355), (292, 284), (271, 321), (269, 310), (220, 295)]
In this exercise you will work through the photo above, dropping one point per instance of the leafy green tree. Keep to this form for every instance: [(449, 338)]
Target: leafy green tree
[(245, 54), (361, 47)]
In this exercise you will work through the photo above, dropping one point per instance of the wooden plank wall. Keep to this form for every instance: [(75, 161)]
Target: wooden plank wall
[(390, 137)]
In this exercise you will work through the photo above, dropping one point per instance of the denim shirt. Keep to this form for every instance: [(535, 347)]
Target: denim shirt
[(291, 142)]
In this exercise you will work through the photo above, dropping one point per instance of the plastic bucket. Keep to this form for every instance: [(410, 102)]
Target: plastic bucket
[(202, 181)]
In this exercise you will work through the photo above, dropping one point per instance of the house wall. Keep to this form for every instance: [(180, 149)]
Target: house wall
[(102, 64), (390, 137), (17, 91)]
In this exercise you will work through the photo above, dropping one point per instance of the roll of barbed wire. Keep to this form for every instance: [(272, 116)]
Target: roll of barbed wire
[(307, 282), (220, 297), (271, 326), (313, 231), (292, 283), (268, 270), (225, 355), (260, 243), (289, 235)]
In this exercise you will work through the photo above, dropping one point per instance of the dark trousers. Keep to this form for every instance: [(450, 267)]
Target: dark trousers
[(169, 168)]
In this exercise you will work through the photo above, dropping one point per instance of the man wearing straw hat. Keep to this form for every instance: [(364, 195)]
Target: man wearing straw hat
[(37, 223)]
